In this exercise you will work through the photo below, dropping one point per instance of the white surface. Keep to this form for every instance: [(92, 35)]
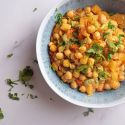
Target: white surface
[(18, 30)]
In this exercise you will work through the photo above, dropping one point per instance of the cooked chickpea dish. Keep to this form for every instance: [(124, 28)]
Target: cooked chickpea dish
[(87, 50)]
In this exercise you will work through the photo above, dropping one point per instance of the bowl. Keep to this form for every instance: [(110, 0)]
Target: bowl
[(98, 100)]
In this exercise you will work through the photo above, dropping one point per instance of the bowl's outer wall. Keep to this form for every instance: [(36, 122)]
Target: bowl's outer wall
[(103, 99)]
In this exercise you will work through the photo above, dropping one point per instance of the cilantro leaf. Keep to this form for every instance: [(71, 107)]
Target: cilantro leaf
[(96, 51), (13, 96), (105, 35), (86, 113), (10, 55), (103, 75), (110, 25), (83, 69), (26, 74), (58, 17), (1, 114), (11, 83)]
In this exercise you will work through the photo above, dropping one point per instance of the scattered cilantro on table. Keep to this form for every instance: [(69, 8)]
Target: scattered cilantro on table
[(86, 113), (10, 55), (1, 114)]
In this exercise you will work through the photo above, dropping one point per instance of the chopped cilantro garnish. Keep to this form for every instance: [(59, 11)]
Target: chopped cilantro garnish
[(58, 17), (83, 69), (35, 61), (103, 75), (35, 9), (11, 83), (26, 74), (97, 51), (13, 96), (33, 96), (110, 25), (86, 113), (105, 35), (1, 114), (110, 54), (10, 55)]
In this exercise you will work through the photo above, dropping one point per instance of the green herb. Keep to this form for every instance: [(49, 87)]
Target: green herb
[(13, 96), (110, 54), (33, 96), (111, 13), (75, 41), (51, 99), (83, 69), (77, 17), (103, 75), (97, 51), (11, 83), (89, 81), (10, 55), (105, 35), (35, 9), (119, 40), (35, 61), (86, 113), (110, 25), (61, 43), (52, 68), (25, 75), (58, 17), (1, 114)]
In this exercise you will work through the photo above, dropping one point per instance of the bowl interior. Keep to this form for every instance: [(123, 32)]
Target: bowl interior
[(103, 99)]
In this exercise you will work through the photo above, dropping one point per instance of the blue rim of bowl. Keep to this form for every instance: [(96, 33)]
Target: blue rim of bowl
[(42, 68)]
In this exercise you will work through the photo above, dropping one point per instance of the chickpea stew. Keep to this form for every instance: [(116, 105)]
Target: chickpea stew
[(87, 50)]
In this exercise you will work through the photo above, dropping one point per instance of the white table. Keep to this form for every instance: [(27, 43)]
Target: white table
[(18, 31)]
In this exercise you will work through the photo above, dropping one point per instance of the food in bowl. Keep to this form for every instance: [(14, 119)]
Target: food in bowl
[(87, 50)]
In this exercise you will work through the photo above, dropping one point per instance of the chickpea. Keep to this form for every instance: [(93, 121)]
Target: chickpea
[(74, 85), (89, 89), (56, 36), (76, 74), (122, 68), (121, 77), (53, 48), (102, 19), (54, 66), (72, 66), (82, 77), (78, 55), (87, 10), (65, 27), (63, 78), (60, 33), (59, 73), (100, 87), (89, 73), (66, 63), (70, 14), (50, 43), (107, 86), (114, 23), (59, 55), (61, 49), (84, 60), (91, 61), (96, 35), (82, 49), (114, 84), (95, 74), (82, 89), (68, 75), (64, 21), (121, 48), (91, 29), (67, 52)]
